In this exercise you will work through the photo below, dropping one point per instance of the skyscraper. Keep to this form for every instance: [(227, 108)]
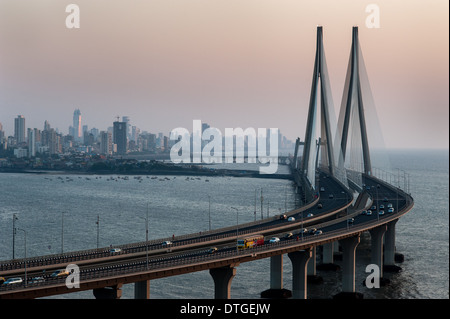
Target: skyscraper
[(105, 143), (19, 129), (120, 137), (77, 131)]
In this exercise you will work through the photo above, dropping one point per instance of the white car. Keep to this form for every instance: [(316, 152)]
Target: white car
[(381, 212), (167, 243), (390, 210), (318, 232), (11, 281), (274, 240), (322, 189), (310, 215), (115, 250), (291, 219)]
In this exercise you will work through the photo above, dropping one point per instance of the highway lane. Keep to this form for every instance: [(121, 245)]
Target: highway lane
[(180, 259), (156, 246)]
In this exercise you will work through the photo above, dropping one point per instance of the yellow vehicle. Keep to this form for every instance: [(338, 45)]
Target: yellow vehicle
[(60, 273), (250, 242)]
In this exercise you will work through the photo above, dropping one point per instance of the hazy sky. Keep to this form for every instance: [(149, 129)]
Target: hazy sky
[(230, 63)]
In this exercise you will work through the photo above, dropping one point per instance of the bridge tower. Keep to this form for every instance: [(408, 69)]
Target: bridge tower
[(352, 117), (320, 91)]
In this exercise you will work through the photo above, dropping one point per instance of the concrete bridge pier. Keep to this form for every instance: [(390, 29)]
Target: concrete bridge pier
[(113, 292), (222, 281), (328, 257), (142, 289), (276, 290), (299, 261), (376, 237), (389, 249), (312, 268), (348, 267)]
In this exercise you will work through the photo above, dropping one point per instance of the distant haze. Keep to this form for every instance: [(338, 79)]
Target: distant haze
[(230, 63)]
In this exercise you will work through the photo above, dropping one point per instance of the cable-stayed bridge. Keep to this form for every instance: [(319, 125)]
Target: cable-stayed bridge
[(342, 199)]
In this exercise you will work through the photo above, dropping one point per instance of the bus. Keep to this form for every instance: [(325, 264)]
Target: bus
[(251, 241)]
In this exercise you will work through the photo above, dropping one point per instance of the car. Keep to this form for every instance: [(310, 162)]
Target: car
[(212, 250), (167, 243), (318, 232), (381, 206), (390, 205), (390, 210), (364, 212), (385, 199), (303, 231), (283, 216), (274, 240), (310, 215), (36, 280), (291, 219), (115, 250), (369, 213), (381, 212), (322, 189), (319, 205), (12, 281), (312, 230), (374, 207), (288, 235), (60, 273), (350, 221), (331, 196)]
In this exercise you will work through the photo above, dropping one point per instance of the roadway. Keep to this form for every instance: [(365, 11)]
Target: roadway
[(185, 256)]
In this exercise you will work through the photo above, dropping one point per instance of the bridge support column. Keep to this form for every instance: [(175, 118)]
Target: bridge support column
[(142, 289), (276, 272), (389, 248), (299, 261), (376, 235), (222, 281), (114, 292), (327, 253), (276, 290), (348, 267), (312, 269), (328, 257)]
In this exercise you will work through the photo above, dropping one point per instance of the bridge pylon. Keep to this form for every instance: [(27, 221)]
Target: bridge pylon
[(352, 121), (320, 92)]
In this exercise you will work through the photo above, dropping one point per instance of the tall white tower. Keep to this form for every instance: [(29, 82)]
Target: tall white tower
[(77, 129)]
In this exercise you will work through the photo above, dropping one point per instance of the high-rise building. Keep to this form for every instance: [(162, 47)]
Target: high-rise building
[(31, 143), (19, 129), (126, 119), (120, 137), (106, 143), (77, 130)]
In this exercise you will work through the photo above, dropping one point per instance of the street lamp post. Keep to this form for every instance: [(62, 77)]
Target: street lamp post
[(62, 233), (237, 223), (209, 211), (146, 237), (14, 235), (98, 229), (25, 234)]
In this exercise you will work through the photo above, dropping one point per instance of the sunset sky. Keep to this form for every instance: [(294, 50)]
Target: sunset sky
[(230, 63)]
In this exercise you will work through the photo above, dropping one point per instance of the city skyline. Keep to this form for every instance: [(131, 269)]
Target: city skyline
[(234, 64)]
